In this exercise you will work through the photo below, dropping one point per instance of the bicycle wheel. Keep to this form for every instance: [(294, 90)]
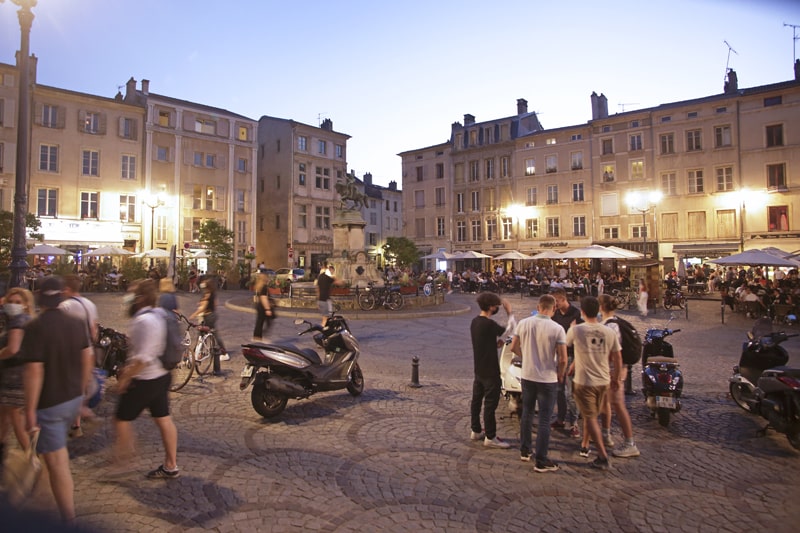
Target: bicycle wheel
[(366, 300), (204, 353), (182, 373), (394, 300)]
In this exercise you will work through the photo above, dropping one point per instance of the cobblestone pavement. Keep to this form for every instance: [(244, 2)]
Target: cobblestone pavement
[(399, 458)]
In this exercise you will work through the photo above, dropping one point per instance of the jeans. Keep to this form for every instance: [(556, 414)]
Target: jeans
[(545, 393), (486, 391)]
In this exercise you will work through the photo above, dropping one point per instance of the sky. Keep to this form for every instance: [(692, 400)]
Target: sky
[(395, 74)]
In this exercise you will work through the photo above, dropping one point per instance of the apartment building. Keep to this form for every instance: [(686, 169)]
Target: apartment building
[(696, 178), (383, 215), (298, 167)]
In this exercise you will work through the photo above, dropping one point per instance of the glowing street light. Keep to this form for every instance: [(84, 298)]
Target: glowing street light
[(642, 201)]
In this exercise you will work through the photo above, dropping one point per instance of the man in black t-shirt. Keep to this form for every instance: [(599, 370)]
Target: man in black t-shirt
[(486, 385), (566, 314), (327, 278)]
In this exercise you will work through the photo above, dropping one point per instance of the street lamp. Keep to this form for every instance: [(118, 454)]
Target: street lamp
[(642, 201), (153, 202), (19, 264)]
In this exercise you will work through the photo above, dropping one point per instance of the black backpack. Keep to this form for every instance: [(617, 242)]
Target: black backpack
[(174, 347), (631, 341)]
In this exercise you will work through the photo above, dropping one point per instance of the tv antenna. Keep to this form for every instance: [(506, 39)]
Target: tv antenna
[(622, 105), (795, 38), (730, 49), (319, 118)]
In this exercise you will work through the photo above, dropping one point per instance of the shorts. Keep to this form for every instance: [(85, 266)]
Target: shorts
[(618, 396), (54, 423), (151, 394), (325, 306), (589, 399)]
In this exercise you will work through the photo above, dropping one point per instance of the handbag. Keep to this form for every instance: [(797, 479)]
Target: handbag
[(21, 472)]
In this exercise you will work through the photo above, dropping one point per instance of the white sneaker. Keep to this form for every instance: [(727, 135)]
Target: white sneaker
[(495, 443), (476, 436), (626, 450), (224, 357)]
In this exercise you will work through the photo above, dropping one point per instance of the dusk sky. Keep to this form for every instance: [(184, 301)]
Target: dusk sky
[(394, 75)]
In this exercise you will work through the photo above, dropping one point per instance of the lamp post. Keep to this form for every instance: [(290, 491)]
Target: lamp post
[(642, 202), (153, 202), (19, 264)]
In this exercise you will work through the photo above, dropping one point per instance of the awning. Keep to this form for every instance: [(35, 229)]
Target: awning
[(704, 250)]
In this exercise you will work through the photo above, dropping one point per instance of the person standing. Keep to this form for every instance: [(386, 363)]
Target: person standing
[(327, 279), (541, 343), (485, 333), (264, 311), (616, 398), (595, 347), (58, 365), (143, 382), (207, 309), (641, 300), (566, 315)]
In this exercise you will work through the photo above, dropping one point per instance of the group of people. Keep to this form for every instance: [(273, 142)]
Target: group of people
[(571, 361)]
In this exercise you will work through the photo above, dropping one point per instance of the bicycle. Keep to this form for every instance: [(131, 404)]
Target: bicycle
[(623, 298), (198, 358), (372, 297)]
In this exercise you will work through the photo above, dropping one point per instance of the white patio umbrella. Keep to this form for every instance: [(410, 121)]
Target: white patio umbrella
[(441, 256), (756, 258), (594, 251), (629, 253), (155, 253), (469, 254), (109, 250), (514, 255), (548, 254), (46, 249)]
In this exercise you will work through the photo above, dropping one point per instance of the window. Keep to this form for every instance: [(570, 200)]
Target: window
[(776, 176), (491, 229), (302, 216), (691, 114), (638, 232), (323, 178), (775, 135), (90, 164), (461, 231), (46, 202), (721, 109), (339, 151), (778, 218), (208, 197), (302, 143), (576, 160), (128, 167), (611, 232), (204, 125), (552, 194), (439, 196), (162, 153), (669, 226), (163, 118), (507, 224), (244, 133), (241, 232), (440, 227), (551, 164), (773, 100), (476, 230), (532, 228), (606, 129), (722, 136), (48, 158), (489, 169), (530, 167), (552, 227), (88, 205), (419, 199), (695, 179), (322, 147), (488, 200), (609, 204), (420, 175), (474, 171), (460, 202), (637, 169), (476, 200), (49, 116), (241, 200), (439, 171), (607, 146), (301, 176), (503, 167), (579, 226), (419, 227), (323, 217), (608, 173), (91, 123), (241, 164), (161, 228), (127, 128), (666, 118), (697, 224), (724, 179), (551, 140), (669, 185), (726, 223), (635, 142), (127, 208), (577, 192), (693, 141), (531, 196), (667, 143)]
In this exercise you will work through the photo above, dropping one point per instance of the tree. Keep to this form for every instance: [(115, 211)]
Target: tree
[(218, 241), (32, 223), (401, 250)]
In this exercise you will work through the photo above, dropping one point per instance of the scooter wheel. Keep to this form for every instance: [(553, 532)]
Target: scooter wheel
[(740, 394), (267, 403), (663, 417), (793, 434), (355, 381)]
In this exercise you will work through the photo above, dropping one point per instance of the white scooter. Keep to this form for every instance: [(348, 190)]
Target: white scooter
[(511, 377)]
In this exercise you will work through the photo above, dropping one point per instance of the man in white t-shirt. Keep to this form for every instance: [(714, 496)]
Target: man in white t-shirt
[(541, 343)]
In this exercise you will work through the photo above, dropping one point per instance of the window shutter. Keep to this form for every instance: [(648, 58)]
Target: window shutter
[(187, 229), (134, 129), (224, 128), (101, 127), (121, 127), (221, 159), (81, 120), (188, 156), (188, 121), (220, 199), (61, 117), (8, 114)]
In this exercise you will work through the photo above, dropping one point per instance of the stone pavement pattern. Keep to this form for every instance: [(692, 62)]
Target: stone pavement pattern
[(399, 458)]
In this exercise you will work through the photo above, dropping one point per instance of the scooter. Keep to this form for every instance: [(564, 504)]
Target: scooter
[(662, 380), (278, 372), (511, 378), (673, 296), (111, 350)]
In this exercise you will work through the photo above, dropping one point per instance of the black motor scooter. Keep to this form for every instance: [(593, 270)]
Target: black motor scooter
[(662, 380), (278, 372)]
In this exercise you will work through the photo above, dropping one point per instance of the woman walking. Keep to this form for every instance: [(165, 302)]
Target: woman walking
[(207, 310), (265, 312)]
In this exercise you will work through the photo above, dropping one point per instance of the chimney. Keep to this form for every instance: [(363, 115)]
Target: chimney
[(392, 185), (797, 70), (327, 124), (130, 90), (732, 83), (469, 120), (145, 87), (368, 178), (522, 106), (602, 106)]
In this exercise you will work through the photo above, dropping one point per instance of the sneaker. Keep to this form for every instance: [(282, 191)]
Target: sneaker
[(525, 456), (495, 443), (584, 452), (575, 432), (545, 466), (608, 441), (162, 473), (558, 424), (600, 463), (224, 357), (626, 450), (476, 436)]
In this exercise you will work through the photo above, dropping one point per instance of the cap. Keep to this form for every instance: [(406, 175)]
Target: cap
[(50, 291)]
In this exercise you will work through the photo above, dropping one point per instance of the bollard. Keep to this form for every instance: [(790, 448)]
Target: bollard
[(415, 372), (628, 382)]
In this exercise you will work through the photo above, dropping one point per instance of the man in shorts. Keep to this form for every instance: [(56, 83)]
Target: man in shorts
[(595, 346), (58, 364), (143, 382), (327, 278)]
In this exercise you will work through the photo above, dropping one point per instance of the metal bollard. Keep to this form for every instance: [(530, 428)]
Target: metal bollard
[(415, 373), (628, 382)]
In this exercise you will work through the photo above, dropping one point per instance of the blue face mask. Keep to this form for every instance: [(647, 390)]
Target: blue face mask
[(12, 310)]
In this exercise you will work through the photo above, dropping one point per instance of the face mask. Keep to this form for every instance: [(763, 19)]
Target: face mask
[(495, 310), (13, 310)]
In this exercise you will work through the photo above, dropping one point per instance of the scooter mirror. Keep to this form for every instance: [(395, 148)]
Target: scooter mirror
[(298, 321)]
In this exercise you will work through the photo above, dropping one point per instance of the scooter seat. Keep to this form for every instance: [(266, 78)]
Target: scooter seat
[(785, 371), (659, 359)]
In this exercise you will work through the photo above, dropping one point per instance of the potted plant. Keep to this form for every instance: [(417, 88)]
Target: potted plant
[(408, 287), (341, 290), (274, 287)]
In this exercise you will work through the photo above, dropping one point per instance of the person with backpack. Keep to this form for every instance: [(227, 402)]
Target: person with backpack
[(615, 399), (144, 382)]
